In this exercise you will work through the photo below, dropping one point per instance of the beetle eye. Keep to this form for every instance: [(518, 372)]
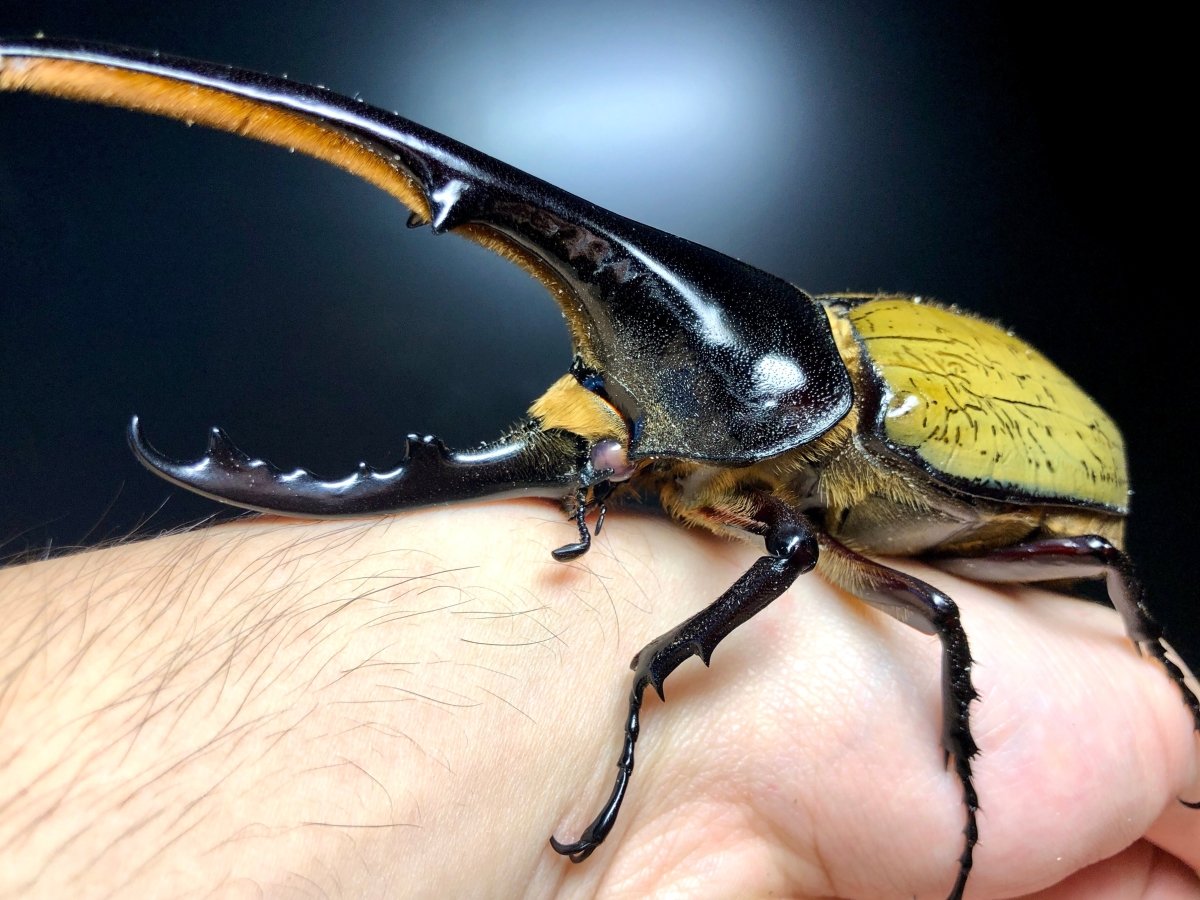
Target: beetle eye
[(611, 456), (593, 383)]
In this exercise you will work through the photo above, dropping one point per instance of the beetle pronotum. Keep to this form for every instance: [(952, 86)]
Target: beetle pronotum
[(831, 427)]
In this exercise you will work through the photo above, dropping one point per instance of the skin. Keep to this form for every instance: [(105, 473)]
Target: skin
[(389, 707)]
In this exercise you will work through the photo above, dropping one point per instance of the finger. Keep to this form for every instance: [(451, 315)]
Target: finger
[(1085, 742), (1178, 829), (1140, 872)]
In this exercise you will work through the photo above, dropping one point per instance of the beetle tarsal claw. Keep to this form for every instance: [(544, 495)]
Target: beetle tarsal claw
[(576, 851), (568, 552)]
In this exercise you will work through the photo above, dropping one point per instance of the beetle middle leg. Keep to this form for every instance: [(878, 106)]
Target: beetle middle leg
[(927, 609), (791, 545)]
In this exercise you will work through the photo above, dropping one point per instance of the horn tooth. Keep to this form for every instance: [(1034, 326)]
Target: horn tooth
[(446, 207), (222, 450), (416, 220), (418, 444), (406, 449)]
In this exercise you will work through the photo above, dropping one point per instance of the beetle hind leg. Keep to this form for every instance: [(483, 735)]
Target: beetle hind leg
[(1085, 557), (792, 550), (1088, 556)]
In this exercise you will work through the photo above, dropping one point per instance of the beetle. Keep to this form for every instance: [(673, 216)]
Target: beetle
[(834, 428)]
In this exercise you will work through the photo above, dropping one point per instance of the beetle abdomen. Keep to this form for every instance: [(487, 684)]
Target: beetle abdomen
[(982, 410)]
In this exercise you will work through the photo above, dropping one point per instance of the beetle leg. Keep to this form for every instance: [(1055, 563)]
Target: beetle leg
[(1088, 556), (792, 550), (600, 495), (568, 552), (927, 609), (600, 492)]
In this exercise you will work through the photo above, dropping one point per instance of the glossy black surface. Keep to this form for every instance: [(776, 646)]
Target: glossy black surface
[(710, 358), (430, 473)]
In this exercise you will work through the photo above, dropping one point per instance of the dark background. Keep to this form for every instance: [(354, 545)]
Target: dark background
[(976, 154)]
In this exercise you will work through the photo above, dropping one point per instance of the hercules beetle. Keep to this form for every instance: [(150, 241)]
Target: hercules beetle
[(831, 427)]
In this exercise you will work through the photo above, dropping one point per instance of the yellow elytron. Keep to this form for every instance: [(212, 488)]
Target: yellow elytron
[(973, 402)]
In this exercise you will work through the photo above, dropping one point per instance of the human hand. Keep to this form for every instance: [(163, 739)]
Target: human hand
[(410, 706)]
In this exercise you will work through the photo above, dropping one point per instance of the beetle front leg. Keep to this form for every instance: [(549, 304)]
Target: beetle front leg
[(792, 548), (600, 493)]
